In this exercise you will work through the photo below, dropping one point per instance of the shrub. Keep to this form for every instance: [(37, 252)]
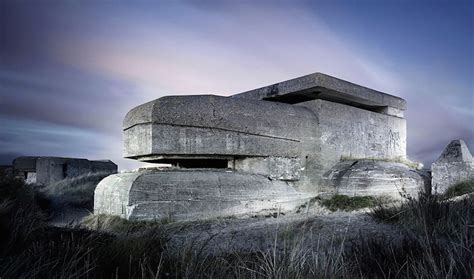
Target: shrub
[(465, 187), (346, 203)]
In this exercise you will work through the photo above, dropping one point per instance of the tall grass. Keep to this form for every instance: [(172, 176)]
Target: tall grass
[(437, 243), (74, 191)]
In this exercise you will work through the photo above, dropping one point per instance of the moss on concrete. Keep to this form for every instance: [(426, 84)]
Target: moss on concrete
[(346, 203)]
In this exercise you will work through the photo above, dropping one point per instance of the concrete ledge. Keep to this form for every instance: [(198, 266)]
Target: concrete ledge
[(188, 141), (321, 86), (213, 125)]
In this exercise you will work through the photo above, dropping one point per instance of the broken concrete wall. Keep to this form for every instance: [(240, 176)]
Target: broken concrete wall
[(453, 166)]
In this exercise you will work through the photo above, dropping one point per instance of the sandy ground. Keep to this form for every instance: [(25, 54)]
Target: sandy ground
[(317, 228)]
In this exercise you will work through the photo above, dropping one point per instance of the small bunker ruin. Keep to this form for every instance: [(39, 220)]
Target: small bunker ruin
[(267, 149), (46, 170), (453, 166)]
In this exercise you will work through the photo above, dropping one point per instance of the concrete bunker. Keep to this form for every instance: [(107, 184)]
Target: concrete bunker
[(46, 170), (288, 138)]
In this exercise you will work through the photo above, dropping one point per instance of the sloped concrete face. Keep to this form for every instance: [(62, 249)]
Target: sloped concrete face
[(453, 166), (192, 194), (373, 178)]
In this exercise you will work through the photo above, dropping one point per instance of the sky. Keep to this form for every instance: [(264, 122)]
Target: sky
[(70, 70)]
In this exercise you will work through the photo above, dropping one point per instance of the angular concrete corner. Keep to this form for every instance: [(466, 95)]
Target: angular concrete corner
[(453, 166)]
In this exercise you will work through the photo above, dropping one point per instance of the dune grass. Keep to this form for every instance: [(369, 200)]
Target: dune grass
[(437, 243), (74, 191)]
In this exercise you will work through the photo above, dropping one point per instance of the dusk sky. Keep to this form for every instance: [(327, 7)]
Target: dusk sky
[(70, 70)]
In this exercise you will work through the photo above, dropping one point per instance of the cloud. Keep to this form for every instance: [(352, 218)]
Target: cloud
[(220, 52), (80, 68)]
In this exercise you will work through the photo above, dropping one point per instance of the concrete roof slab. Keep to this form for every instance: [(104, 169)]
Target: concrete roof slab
[(322, 86)]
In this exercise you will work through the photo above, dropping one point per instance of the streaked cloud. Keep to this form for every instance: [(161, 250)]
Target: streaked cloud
[(80, 66)]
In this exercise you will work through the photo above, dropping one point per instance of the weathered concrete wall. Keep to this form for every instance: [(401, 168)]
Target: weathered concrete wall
[(350, 132), (25, 164), (103, 166), (50, 170), (192, 194), (199, 125), (453, 166), (373, 178), (276, 168)]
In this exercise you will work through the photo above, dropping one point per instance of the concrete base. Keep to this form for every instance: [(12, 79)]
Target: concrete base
[(192, 194), (373, 178)]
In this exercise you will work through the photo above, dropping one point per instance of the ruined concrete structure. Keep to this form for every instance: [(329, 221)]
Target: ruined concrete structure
[(46, 170), (270, 148), (453, 166)]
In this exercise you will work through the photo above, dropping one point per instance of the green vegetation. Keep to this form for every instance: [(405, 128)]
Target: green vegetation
[(465, 187), (346, 203)]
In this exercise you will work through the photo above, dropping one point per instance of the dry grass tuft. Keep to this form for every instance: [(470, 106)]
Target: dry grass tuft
[(437, 243), (75, 191)]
